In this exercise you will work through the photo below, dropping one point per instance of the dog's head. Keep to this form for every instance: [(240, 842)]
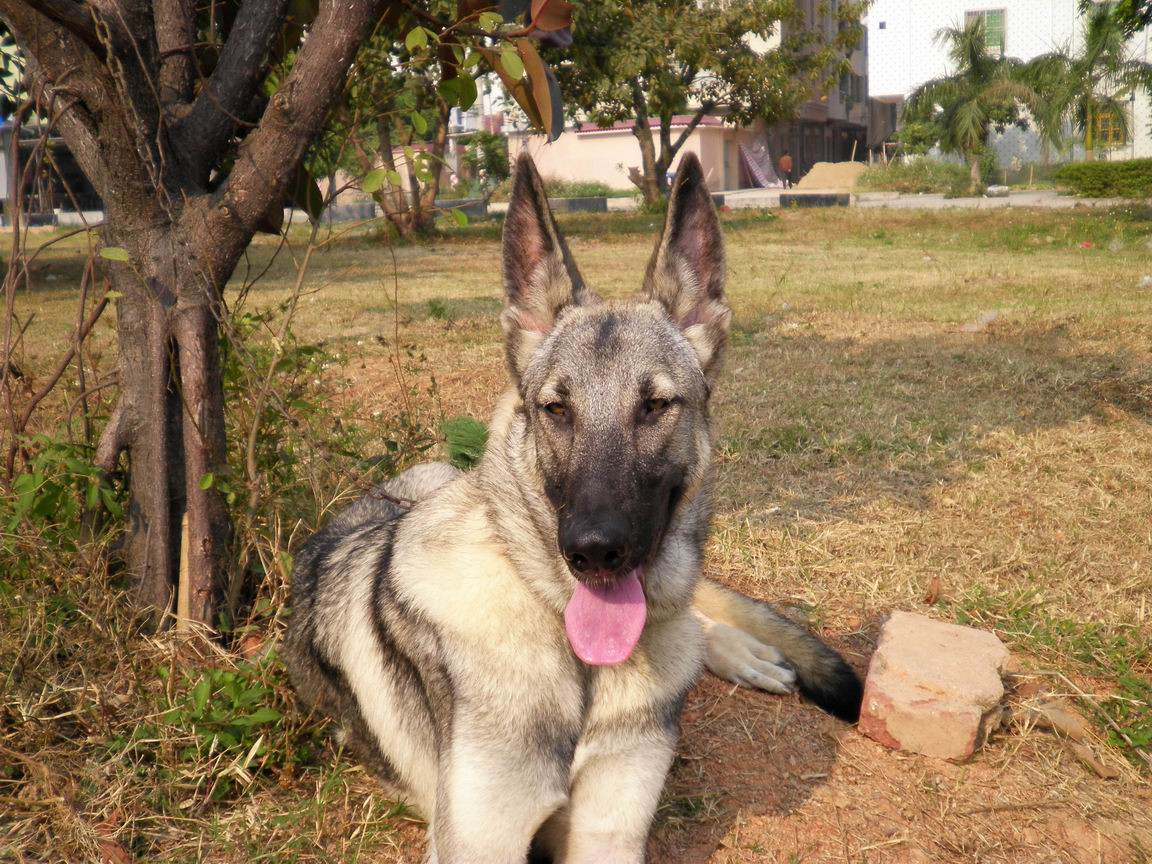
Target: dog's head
[(615, 395)]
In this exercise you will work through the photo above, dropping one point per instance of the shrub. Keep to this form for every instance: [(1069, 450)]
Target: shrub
[(558, 188), (1131, 178), (917, 175)]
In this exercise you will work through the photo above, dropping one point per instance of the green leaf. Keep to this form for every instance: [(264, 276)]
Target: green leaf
[(490, 20), (468, 94), (200, 694), (465, 438), (374, 179), (419, 123), (461, 217), (417, 38), (207, 480), (306, 194), (115, 253), (110, 502), (113, 295), (512, 64), (263, 715)]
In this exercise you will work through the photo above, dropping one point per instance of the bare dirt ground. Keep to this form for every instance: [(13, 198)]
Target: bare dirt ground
[(946, 412)]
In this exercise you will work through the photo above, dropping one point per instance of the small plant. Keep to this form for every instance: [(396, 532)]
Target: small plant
[(217, 728), (1131, 709), (438, 310), (464, 440)]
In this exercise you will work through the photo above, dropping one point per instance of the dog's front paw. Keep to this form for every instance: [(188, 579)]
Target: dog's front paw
[(743, 659)]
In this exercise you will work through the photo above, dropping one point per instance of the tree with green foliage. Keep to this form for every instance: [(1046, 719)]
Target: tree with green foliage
[(1131, 16), (1091, 87), (486, 155), (917, 137), (392, 101), (192, 122), (983, 92), (656, 59)]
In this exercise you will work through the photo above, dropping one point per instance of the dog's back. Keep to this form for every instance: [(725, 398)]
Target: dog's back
[(361, 536)]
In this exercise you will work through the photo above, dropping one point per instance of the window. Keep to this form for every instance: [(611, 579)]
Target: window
[(883, 25), (993, 28), (1109, 130)]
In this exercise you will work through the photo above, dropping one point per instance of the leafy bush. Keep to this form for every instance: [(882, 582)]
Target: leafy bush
[(558, 188), (917, 175), (1131, 178)]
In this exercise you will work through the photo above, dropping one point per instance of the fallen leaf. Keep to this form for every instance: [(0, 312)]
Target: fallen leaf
[(1084, 753), (932, 596), (1061, 717)]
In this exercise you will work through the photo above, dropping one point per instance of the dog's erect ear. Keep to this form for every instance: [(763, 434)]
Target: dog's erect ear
[(686, 272), (540, 278)]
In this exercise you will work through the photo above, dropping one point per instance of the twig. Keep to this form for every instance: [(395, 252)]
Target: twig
[(262, 396), (47, 387), (1025, 805)]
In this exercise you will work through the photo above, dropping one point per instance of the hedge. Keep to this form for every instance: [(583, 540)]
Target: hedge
[(1131, 178)]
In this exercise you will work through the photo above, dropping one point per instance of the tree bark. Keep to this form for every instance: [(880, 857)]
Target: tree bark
[(651, 187), (974, 176)]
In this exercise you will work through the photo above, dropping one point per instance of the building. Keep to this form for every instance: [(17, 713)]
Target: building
[(904, 54), (608, 155), (829, 127)]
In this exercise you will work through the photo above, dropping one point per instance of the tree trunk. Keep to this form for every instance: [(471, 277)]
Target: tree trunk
[(643, 132), (150, 407), (667, 152), (974, 176), (425, 218), (393, 201), (172, 398), (184, 201)]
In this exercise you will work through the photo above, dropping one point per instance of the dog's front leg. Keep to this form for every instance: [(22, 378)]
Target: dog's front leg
[(493, 795), (614, 798)]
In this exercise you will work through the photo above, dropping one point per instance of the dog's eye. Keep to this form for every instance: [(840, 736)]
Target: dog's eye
[(655, 406), (557, 409)]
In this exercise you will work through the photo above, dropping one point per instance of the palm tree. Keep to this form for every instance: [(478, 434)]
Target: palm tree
[(1091, 87), (983, 92)]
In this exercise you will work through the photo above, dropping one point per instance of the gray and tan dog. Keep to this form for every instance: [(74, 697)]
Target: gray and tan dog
[(513, 651)]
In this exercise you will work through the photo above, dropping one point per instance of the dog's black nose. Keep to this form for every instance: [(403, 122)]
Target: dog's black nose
[(593, 549)]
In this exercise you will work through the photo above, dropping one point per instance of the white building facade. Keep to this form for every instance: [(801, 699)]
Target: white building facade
[(903, 54)]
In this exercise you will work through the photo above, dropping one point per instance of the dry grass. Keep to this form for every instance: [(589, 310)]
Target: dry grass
[(910, 397)]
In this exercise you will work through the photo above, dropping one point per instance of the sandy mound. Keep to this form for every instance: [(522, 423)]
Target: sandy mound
[(833, 175)]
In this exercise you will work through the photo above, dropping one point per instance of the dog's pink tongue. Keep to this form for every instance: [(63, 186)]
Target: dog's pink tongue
[(604, 623)]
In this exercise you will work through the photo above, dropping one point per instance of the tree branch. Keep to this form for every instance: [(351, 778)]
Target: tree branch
[(269, 156), (204, 132), (690, 128), (174, 22), (76, 18)]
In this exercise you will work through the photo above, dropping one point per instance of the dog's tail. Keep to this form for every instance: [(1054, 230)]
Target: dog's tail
[(821, 673)]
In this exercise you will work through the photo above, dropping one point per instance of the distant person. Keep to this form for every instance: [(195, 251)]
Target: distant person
[(786, 169)]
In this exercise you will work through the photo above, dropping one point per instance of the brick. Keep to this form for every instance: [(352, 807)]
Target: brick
[(934, 688)]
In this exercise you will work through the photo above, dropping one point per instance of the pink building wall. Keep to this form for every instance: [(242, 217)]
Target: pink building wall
[(605, 155)]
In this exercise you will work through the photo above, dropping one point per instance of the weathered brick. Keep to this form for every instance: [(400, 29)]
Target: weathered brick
[(933, 688)]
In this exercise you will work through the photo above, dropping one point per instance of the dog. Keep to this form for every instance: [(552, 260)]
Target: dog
[(511, 647)]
